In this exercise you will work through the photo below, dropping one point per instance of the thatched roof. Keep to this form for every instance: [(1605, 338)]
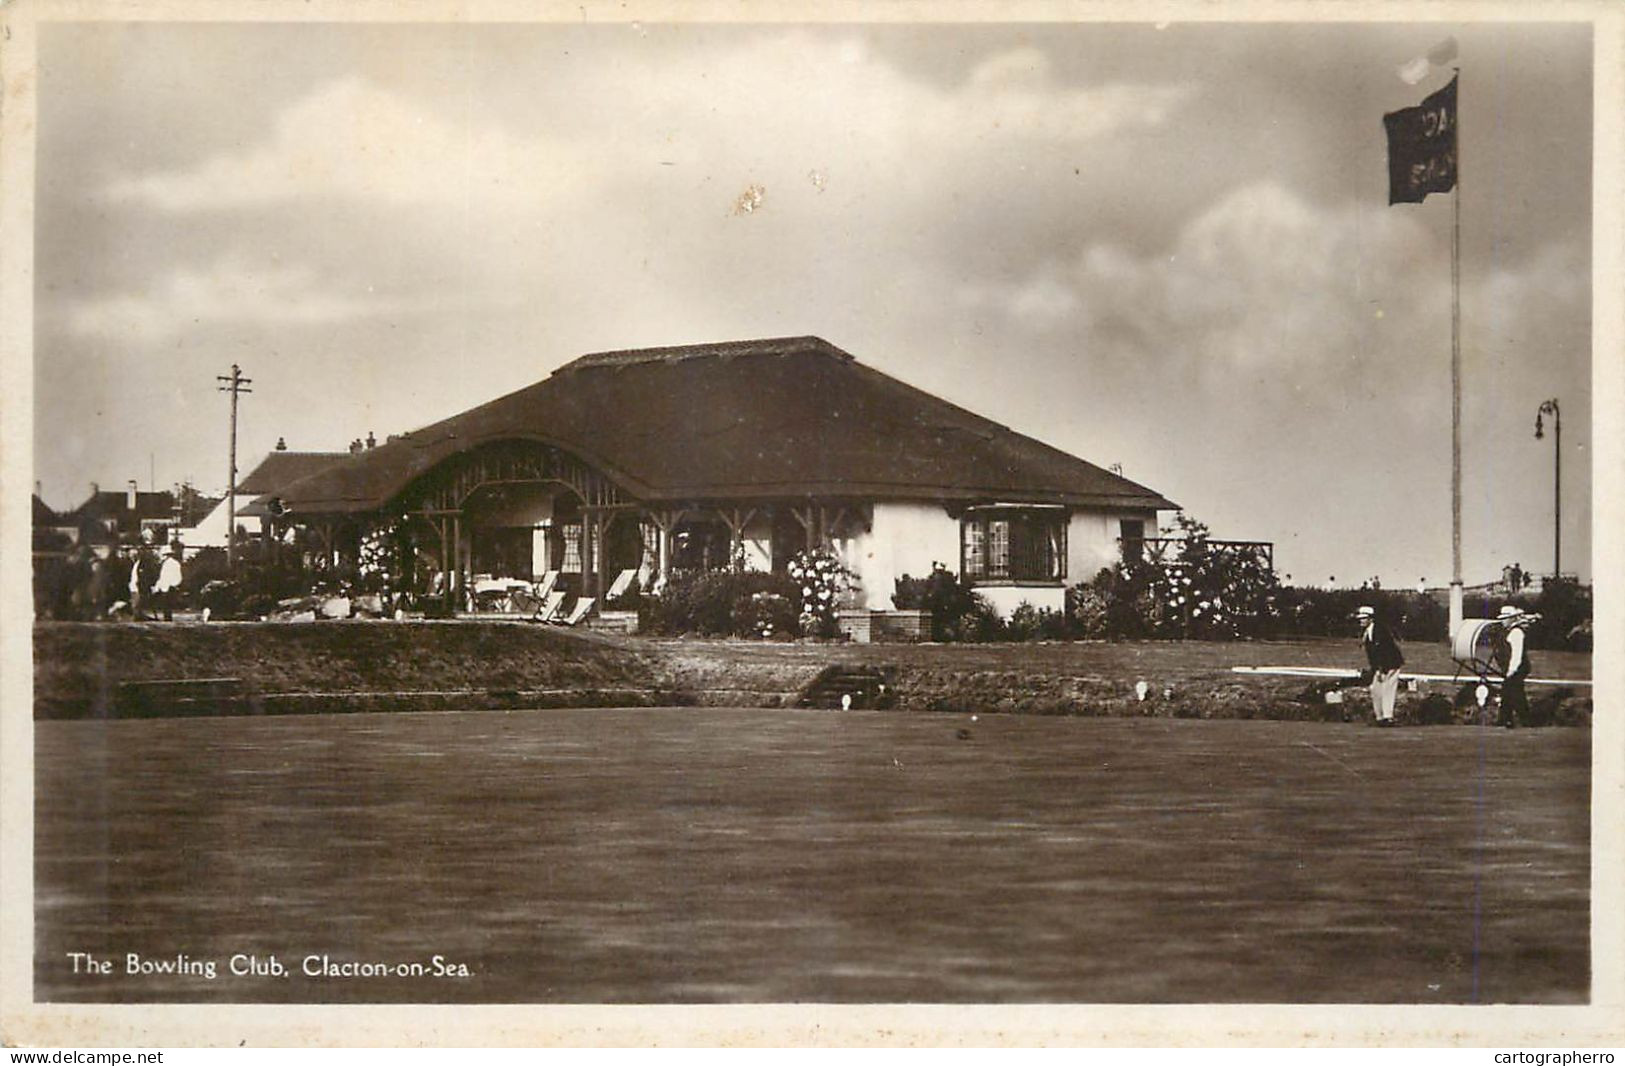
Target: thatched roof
[(785, 418), (278, 470)]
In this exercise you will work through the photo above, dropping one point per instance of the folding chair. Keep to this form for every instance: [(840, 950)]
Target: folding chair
[(529, 601), (583, 606), (550, 608), (623, 582)]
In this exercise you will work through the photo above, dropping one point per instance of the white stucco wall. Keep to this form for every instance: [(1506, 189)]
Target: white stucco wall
[(904, 538), (1006, 598), (1092, 541), (757, 540), (540, 519)]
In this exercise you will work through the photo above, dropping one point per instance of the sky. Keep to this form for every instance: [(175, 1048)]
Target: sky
[(1161, 246)]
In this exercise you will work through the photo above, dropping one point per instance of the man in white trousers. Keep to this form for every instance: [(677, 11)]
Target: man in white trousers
[(1384, 660)]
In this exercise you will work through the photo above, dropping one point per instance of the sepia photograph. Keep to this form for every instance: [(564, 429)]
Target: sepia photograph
[(585, 506)]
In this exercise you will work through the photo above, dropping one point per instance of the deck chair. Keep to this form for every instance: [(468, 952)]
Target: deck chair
[(623, 581), (550, 608), (528, 601), (583, 606)]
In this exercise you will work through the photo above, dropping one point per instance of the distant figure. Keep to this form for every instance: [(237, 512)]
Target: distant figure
[(1383, 659), (1513, 660), (165, 589), (143, 573), (76, 580), (98, 591)]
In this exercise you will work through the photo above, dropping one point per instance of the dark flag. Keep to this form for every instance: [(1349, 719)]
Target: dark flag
[(1422, 148)]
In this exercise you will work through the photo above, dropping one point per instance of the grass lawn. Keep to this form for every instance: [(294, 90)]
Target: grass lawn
[(737, 855)]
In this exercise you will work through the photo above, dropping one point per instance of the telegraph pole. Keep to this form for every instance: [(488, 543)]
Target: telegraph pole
[(235, 384)]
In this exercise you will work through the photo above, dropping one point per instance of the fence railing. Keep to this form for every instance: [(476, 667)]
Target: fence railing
[(1159, 548)]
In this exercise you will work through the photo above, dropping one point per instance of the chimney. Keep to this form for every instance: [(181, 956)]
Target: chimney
[(37, 488), (372, 441), (281, 444), (95, 490), (129, 495)]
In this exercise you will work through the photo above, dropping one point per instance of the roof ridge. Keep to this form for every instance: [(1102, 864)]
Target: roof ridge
[(712, 350)]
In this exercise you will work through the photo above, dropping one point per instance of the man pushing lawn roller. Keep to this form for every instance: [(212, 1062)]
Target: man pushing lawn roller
[(1513, 660)]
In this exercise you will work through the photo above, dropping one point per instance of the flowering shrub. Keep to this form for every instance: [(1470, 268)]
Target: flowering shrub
[(1208, 592), (820, 579), (383, 558)]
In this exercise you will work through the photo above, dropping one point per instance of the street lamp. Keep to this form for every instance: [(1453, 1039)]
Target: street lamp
[(1550, 408)]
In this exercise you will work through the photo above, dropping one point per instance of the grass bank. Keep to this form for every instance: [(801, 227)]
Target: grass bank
[(1183, 679), (99, 669), (95, 669)]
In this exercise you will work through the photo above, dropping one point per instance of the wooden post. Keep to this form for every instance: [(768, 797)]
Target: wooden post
[(736, 521), (665, 522), (445, 568), (591, 537), (807, 520), (454, 578)]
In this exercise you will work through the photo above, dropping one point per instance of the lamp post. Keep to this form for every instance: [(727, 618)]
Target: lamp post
[(1550, 408)]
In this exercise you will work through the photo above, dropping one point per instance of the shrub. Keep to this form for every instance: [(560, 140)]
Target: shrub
[(768, 615), (1130, 611), (1565, 610), (1033, 623), (1087, 610), (715, 603), (976, 624), (957, 612), (207, 565), (630, 600)]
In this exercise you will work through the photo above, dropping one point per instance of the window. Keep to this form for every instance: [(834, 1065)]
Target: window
[(1131, 534), (1013, 544), (571, 561)]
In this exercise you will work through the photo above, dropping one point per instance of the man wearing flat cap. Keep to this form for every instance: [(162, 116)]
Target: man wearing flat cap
[(1384, 660), (1513, 660)]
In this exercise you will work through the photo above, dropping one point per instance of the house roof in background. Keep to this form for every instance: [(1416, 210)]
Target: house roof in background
[(43, 514), (106, 503), (785, 417)]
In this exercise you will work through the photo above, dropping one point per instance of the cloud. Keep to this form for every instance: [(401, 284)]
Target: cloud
[(712, 110), (1261, 282), (352, 139), (232, 291)]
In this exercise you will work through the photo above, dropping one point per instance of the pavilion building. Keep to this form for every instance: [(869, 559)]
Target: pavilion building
[(734, 454)]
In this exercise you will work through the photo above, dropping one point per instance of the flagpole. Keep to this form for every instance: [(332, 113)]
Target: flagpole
[(1456, 606)]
